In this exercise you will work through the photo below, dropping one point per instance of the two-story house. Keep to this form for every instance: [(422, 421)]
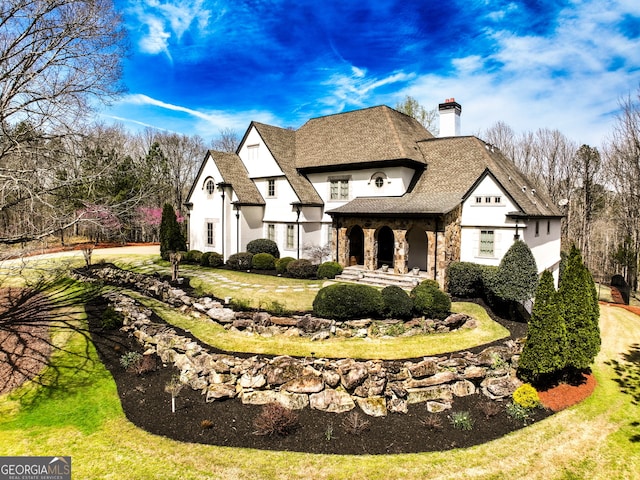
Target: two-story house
[(377, 188)]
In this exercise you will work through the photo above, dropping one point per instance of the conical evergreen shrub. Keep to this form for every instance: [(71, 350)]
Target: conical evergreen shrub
[(171, 238), (579, 307), (545, 350)]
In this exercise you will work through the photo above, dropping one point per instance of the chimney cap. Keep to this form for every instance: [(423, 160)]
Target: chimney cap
[(450, 104)]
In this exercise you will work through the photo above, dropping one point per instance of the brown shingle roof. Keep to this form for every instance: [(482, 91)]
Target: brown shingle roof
[(234, 173), (362, 136), (282, 145), (454, 165)]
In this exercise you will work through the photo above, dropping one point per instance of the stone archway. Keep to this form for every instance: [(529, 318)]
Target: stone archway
[(385, 241), (418, 249), (356, 245)]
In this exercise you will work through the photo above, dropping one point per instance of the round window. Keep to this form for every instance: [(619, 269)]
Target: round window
[(379, 182), (210, 187)]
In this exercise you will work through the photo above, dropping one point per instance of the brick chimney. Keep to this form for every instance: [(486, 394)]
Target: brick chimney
[(450, 112)]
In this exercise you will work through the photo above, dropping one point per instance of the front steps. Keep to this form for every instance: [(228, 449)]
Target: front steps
[(378, 278)]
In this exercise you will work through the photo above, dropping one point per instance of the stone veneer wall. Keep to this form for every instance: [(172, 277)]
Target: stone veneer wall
[(333, 385)]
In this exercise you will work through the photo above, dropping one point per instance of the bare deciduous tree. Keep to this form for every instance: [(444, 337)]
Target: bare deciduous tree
[(428, 118), (227, 141), (58, 59)]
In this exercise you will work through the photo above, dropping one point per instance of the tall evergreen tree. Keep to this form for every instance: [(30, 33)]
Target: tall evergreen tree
[(171, 238), (579, 307), (545, 350)]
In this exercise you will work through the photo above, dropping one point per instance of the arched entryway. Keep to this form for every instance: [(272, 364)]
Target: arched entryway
[(356, 245), (386, 246), (418, 251)]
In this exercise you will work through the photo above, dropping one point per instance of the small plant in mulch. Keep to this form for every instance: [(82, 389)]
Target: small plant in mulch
[(206, 424), (328, 433), (174, 387), (432, 422), (518, 412), (275, 419), (490, 409), (137, 363), (355, 424), (461, 420)]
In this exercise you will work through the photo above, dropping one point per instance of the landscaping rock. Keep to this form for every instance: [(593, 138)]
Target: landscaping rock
[(330, 400), (420, 395), (304, 384), (373, 406)]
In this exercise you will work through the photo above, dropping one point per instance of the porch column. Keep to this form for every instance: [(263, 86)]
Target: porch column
[(370, 248), (343, 246), (400, 251), (431, 254)]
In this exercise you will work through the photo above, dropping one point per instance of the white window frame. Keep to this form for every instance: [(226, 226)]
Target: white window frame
[(338, 189), (483, 241), (290, 239), (210, 233), (271, 232), (252, 153), (271, 188)]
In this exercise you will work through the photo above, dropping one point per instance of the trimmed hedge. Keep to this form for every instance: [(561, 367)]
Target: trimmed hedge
[(263, 261), (302, 268), (263, 245), (204, 259), (193, 256), (346, 301), (396, 302), (240, 261), (281, 264), (465, 280), (215, 259), (430, 301), (329, 270)]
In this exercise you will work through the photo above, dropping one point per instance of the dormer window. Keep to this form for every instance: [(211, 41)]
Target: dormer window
[(379, 182), (271, 188)]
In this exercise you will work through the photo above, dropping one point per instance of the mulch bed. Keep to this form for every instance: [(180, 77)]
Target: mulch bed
[(24, 339), (565, 395), (147, 405)]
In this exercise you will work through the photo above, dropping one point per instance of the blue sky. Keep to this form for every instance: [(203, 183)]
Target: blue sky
[(199, 66)]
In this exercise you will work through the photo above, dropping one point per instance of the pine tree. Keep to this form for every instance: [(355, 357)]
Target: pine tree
[(171, 238), (579, 307), (545, 350)]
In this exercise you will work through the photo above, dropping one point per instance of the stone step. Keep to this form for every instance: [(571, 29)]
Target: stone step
[(379, 278)]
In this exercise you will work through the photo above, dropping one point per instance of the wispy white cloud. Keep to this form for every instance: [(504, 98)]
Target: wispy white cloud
[(206, 123), (565, 79), (159, 24)]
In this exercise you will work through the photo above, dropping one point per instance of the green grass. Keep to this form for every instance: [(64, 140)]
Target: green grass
[(80, 415), (589, 441), (379, 348)]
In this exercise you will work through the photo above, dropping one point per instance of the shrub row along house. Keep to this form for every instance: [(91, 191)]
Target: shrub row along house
[(376, 188)]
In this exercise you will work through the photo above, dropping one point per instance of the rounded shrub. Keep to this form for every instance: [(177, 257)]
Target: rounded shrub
[(204, 259), (263, 261), (464, 279), (302, 268), (193, 256), (215, 259), (396, 302), (526, 396), (345, 301), (430, 301), (282, 263), (240, 261), (329, 270), (263, 245)]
